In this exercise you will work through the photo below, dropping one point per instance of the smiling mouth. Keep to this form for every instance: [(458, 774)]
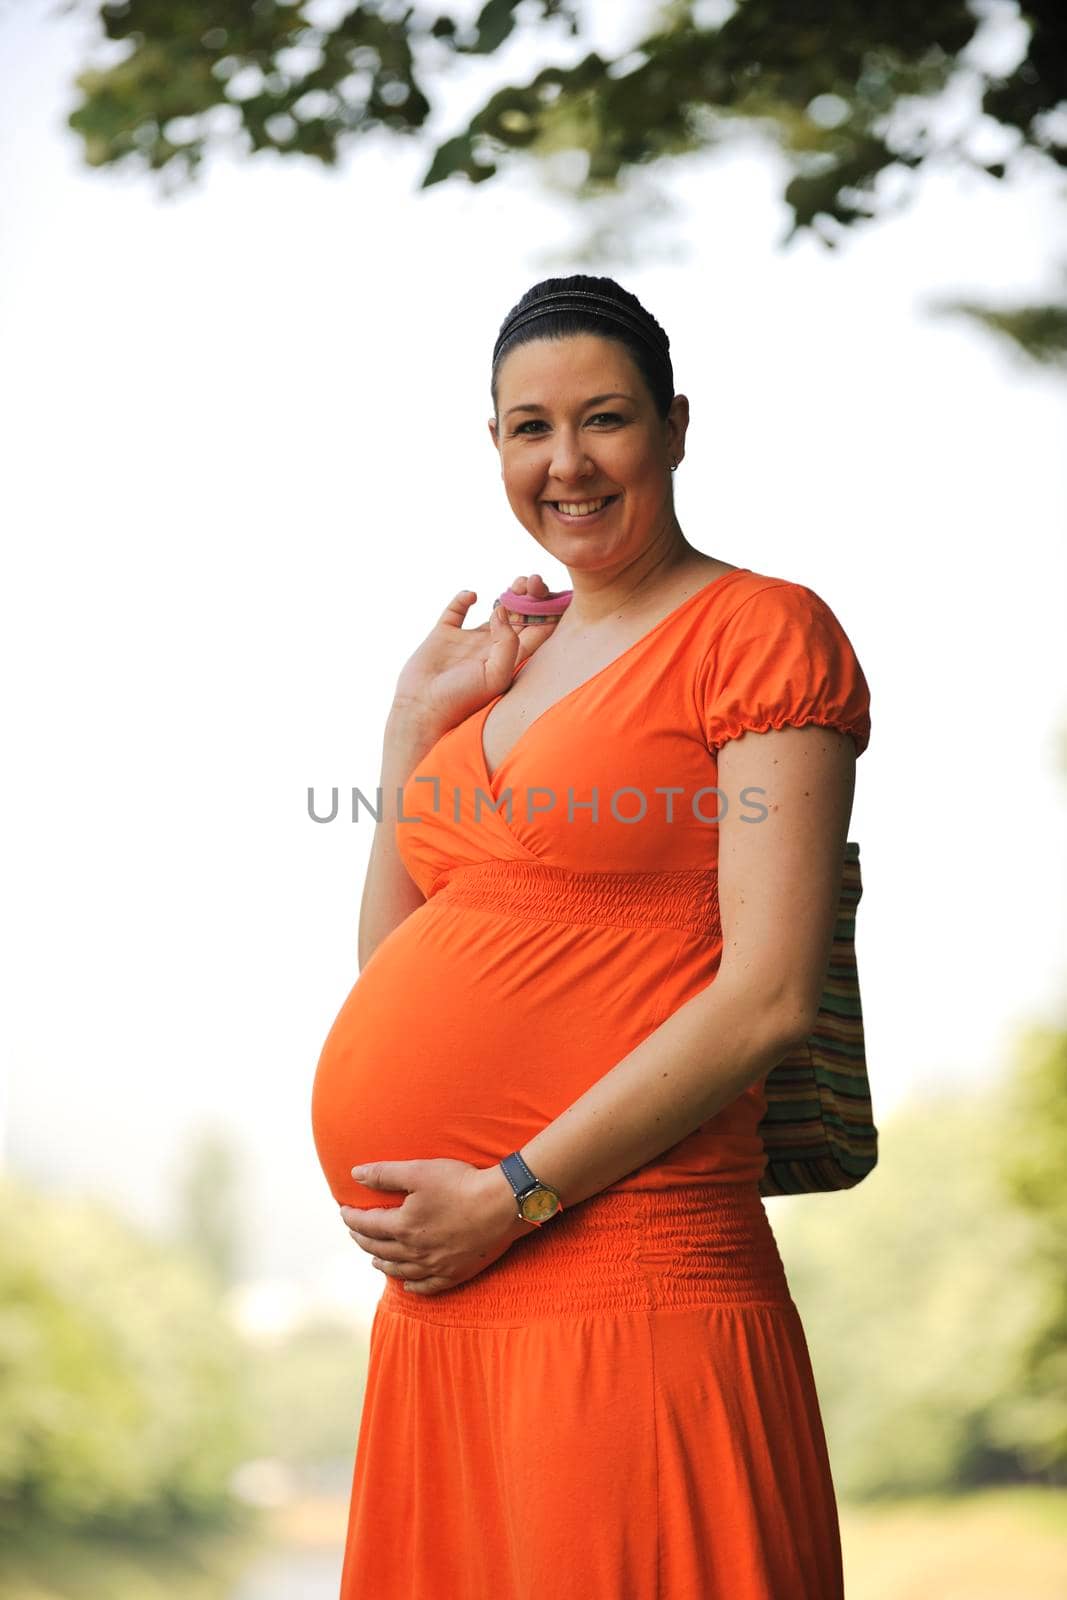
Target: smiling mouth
[(582, 508)]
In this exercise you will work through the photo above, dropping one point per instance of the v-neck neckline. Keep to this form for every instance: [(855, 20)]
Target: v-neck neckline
[(482, 717)]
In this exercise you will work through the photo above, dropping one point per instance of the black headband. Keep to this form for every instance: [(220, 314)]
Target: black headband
[(597, 305)]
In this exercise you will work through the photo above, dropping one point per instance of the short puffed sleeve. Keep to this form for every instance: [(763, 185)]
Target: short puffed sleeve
[(782, 659)]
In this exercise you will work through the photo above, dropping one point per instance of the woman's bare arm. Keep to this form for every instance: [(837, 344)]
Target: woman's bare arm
[(779, 881), (389, 893)]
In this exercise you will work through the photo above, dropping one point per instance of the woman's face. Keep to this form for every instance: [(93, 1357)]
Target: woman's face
[(578, 425)]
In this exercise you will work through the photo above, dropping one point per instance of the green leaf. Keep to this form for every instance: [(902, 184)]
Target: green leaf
[(496, 21)]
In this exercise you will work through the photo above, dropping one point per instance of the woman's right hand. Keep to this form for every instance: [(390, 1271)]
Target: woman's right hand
[(456, 670)]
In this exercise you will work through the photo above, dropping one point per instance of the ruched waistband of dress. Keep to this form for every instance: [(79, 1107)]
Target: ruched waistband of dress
[(628, 1250), (686, 898)]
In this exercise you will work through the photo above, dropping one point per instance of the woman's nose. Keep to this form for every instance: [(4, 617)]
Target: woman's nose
[(569, 460)]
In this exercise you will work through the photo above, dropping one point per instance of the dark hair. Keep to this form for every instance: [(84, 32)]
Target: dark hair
[(649, 347)]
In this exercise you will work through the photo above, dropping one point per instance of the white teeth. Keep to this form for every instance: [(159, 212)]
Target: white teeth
[(582, 508)]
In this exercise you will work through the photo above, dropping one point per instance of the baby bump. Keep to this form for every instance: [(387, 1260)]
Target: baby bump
[(467, 1031)]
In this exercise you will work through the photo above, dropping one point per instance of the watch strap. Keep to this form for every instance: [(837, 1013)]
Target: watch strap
[(519, 1175), (525, 1184)]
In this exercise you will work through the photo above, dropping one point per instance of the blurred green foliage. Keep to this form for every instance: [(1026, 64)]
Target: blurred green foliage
[(934, 1293), (307, 1390), (847, 94), (122, 1392), (696, 67), (208, 1190), (1034, 1171)]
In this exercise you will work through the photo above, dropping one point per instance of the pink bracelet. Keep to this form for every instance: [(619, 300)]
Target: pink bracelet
[(528, 605)]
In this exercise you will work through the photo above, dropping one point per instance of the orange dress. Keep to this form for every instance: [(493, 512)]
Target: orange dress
[(622, 1405)]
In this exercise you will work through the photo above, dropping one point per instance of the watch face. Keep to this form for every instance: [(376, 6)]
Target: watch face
[(540, 1204)]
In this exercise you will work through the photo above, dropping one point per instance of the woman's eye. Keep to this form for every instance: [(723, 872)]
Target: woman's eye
[(601, 416)]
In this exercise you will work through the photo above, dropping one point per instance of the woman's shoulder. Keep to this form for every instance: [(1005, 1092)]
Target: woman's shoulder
[(778, 653), (748, 582), (756, 598)]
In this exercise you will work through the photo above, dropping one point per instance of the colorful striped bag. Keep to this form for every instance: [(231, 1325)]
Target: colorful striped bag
[(818, 1129)]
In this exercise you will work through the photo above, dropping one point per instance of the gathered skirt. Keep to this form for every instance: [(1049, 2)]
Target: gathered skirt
[(621, 1407)]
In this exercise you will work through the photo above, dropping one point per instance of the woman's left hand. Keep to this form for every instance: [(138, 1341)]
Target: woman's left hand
[(455, 1221)]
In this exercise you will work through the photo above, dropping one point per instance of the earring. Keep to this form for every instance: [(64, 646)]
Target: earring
[(674, 466)]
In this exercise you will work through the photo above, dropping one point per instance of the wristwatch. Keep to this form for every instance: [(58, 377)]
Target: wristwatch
[(537, 1202)]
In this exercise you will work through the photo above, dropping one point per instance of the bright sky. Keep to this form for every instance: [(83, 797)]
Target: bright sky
[(247, 465)]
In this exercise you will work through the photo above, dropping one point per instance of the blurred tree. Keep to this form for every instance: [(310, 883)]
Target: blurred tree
[(306, 1391), (923, 1297), (853, 95), (1033, 1168), (123, 1391), (209, 1202)]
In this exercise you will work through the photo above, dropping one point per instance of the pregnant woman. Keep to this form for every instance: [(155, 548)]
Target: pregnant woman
[(598, 911)]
